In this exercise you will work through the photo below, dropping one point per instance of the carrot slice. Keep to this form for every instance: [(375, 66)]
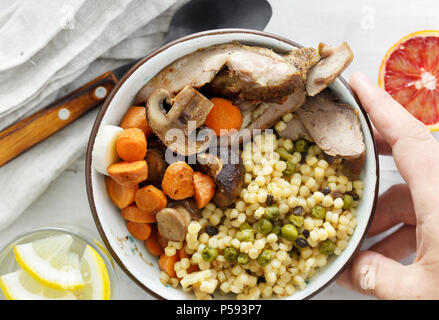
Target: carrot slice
[(192, 268), (204, 189), (129, 174), (223, 116), (141, 231), (135, 117), (178, 181), (152, 245), (166, 263), (131, 144), (150, 199), (121, 196), (134, 214), (182, 253)]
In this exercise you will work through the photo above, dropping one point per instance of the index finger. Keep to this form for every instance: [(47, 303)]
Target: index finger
[(414, 149)]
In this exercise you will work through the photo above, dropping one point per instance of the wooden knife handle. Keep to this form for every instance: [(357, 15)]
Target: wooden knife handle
[(28, 132)]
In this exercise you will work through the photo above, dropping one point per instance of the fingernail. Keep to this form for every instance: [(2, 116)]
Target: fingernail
[(367, 277)]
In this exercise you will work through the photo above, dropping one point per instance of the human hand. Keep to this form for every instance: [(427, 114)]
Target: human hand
[(377, 271)]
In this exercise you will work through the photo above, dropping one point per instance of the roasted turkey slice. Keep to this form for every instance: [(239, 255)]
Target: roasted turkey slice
[(255, 73), (334, 62), (333, 126)]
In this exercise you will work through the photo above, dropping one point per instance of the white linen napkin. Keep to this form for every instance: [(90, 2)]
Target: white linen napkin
[(49, 48)]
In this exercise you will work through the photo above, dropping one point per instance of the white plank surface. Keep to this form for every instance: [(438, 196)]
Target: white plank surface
[(370, 27)]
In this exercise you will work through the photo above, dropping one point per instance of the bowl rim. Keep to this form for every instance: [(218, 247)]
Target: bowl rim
[(104, 107)]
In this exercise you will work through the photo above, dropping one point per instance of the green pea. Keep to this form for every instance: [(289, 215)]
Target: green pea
[(291, 168), (289, 232), (327, 247), (347, 201), (209, 254), (271, 212), (276, 229), (244, 226), (284, 154), (265, 226), (301, 145), (243, 258), (296, 220), (246, 235), (264, 258), (230, 254), (318, 212)]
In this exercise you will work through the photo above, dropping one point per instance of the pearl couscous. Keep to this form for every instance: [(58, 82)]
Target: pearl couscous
[(294, 212)]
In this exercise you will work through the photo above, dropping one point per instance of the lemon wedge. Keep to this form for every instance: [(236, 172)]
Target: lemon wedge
[(95, 274), (19, 285), (51, 263)]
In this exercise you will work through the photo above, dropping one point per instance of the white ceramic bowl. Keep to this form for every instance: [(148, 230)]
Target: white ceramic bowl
[(131, 254)]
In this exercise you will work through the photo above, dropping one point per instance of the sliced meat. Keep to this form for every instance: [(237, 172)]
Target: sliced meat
[(194, 69), (333, 126), (355, 165), (173, 222), (295, 130), (271, 112), (264, 115), (328, 69), (259, 73), (325, 50), (303, 58)]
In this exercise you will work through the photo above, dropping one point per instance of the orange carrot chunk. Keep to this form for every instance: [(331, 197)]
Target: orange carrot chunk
[(182, 253), (166, 264), (134, 214), (121, 196), (150, 199), (192, 268), (204, 189), (140, 231), (178, 181), (129, 174), (152, 245), (135, 117), (131, 144), (224, 116)]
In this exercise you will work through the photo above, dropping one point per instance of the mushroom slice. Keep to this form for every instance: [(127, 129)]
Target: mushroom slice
[(173, 222), (190, 205), (227, 171), (329, 68), (188, 112), (155, 158), (333, 126)]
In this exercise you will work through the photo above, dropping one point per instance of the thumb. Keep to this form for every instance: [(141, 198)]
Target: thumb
[(373, 274)]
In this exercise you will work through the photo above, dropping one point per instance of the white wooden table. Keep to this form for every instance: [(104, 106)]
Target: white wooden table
[(370, 27)]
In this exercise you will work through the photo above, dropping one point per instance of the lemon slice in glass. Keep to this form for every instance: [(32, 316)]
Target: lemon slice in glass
[(95, 274), (50, 262), (19, 285)]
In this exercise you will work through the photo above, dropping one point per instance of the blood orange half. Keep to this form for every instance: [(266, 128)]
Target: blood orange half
[(410, 73)]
